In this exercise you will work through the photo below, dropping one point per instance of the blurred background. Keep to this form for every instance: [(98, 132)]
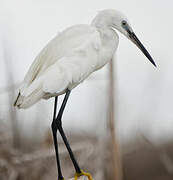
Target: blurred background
[(122, 111)]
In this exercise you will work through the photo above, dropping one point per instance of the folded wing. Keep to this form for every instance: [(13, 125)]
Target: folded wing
[(65, 62)]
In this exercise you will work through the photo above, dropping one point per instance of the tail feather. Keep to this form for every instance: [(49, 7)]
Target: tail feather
[(23, 102), (16, 101)]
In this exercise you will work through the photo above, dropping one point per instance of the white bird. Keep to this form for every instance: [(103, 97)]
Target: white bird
[(69, 59)]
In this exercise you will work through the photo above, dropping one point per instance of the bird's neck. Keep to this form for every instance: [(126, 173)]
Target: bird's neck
[(106, 31), (101, 22), (107, 34)]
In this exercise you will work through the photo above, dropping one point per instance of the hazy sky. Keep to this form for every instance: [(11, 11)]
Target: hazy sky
[(144, 94)]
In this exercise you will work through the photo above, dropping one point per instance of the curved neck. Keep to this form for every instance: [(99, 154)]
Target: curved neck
[(100, 22)]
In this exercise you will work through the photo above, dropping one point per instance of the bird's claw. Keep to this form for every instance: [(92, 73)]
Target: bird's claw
[(83, 174)]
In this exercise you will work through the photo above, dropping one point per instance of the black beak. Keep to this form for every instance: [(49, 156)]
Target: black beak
[(134, 38)]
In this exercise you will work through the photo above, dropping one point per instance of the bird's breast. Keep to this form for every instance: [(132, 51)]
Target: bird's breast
[(109, 41)]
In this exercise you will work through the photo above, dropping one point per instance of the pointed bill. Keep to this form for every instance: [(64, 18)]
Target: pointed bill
[(136, 41)]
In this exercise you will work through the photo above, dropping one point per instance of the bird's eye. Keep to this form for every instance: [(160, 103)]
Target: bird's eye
[(124, 23)]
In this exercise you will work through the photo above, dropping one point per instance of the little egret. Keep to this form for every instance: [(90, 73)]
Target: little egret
[(69, 59)]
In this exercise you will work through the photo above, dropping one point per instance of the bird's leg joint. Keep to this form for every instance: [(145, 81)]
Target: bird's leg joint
[(56, 124), (59, 124)]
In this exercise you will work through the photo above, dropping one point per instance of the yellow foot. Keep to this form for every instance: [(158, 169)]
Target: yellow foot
[(83, 174)]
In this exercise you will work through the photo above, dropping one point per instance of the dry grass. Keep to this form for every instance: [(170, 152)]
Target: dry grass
[(40, 164), (141, 160)]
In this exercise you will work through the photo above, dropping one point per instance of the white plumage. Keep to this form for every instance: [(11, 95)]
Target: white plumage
[(71, 57)]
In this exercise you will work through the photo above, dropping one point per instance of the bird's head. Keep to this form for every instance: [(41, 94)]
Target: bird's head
[(116, 20)]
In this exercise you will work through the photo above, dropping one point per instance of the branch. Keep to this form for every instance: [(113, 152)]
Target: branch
[(81, 178), (116, 159)]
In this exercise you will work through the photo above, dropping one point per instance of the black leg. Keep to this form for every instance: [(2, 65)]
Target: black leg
[(59, 126), (54, 132)]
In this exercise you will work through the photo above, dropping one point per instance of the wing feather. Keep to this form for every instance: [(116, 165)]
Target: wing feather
[(65, 62), (63, 44)]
